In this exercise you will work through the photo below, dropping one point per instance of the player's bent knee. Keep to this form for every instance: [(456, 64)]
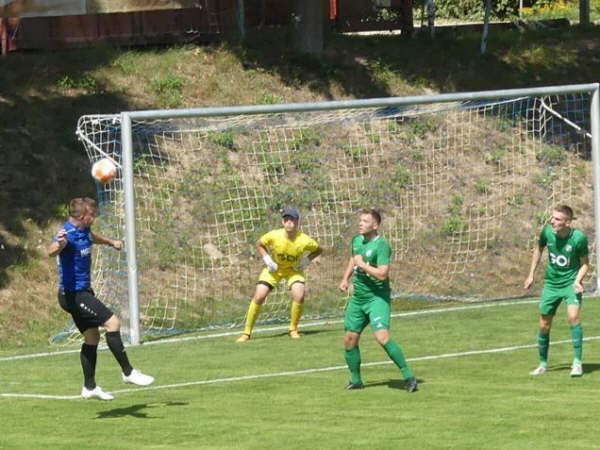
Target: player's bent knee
[(112, 324), (91, 336)]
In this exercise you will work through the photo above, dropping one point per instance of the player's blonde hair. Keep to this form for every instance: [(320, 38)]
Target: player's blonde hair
[(80, 205)]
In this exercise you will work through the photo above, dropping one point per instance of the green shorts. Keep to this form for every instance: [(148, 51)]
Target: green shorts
[(551, 298), (359, 314)]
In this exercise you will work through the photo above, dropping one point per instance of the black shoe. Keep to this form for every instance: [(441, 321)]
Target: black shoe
[(351, 386), (411, 385)]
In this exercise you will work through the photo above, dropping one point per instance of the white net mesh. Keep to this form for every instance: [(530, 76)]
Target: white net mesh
[(463, 189)]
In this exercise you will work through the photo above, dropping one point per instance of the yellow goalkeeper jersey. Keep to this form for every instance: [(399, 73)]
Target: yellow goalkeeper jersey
[(286, 252)]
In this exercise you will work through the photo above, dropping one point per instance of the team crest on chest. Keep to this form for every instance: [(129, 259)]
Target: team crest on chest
[(568, 247), (368, 253)]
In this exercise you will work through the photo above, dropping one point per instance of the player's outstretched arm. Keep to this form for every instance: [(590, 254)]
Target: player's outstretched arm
[(57, 246), (98, 238)]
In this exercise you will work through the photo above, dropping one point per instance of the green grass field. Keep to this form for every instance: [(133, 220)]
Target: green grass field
[(472, 362)]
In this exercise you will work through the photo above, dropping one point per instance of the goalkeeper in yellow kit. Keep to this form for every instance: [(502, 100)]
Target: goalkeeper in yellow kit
[(283, 252)]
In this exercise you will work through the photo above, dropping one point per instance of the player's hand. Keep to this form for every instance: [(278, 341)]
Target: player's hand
[(344, 285), (528, 282), (61, 238), (271, 265), (578, 287), (117, 244), (303, 264), (359, 261)]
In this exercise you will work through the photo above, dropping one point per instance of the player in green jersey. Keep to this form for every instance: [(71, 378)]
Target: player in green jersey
[(567, 266), (369, 268)]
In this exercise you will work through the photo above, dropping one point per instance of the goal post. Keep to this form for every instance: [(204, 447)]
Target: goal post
[(464, 182)]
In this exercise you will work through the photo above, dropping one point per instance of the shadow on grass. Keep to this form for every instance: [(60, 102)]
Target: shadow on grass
[(383, 65), (587, 368), (303, 333), (393, 384), (137, 411)]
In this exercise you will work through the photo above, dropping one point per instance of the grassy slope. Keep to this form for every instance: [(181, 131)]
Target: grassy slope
[(43, 94)]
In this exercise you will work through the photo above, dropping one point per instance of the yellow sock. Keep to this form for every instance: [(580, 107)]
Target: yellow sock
[(296, 313), (251, 316)]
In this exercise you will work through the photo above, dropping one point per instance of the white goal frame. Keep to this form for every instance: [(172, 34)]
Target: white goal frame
[(127, 117)]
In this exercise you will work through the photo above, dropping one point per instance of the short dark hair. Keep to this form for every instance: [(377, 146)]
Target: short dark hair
[(566, 210), (372, 212), (80, 205)]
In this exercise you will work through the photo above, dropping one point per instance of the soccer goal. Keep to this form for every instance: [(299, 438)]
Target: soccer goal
[(463, 181)]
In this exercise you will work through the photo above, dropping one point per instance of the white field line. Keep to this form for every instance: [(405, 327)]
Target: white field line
[(292, 372), (281, 328)]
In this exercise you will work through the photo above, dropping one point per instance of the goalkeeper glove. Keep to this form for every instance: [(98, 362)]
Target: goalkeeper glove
[(303, 264), (271, 265)]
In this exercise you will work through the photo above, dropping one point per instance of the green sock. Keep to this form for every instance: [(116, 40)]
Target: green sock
[(352, 356), (395, 353), (577, 339), (543, 344)]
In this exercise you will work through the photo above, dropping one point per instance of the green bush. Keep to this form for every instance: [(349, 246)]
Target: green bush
[(453, 225), (475, 9)]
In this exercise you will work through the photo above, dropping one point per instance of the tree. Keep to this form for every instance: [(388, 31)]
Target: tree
[(308, 25)]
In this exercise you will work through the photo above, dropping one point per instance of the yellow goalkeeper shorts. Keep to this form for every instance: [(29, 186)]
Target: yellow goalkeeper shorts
[(273, 278)]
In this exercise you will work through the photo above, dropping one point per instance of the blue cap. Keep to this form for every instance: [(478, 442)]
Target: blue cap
[(291, 212)]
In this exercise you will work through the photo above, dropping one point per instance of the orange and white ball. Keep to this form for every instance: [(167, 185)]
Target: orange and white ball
[(104, 170)]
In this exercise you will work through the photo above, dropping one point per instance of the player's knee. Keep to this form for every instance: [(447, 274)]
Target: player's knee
[(350, 341), (112, 324), (382, 340), (574, 320), (258, 300), (91, 336)]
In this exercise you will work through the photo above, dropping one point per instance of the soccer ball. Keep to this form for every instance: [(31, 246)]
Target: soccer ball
[(104, 170)]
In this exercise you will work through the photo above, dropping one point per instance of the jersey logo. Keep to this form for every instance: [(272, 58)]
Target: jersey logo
[(286, 257), (368, 253), (559, 260), (86, 251), (568, 247)]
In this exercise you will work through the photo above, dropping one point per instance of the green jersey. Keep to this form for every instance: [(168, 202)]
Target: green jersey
[(375, 253), (564, 256)]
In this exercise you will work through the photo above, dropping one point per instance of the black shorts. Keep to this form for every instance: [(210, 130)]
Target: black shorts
[(87, 311)]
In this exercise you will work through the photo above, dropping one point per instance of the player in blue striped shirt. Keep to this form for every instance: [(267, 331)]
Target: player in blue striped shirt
[(72, 246)]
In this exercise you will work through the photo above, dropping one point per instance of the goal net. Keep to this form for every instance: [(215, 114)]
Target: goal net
[(463, 187)]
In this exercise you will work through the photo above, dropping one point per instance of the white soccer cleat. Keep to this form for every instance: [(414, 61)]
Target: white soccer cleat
[(539, 370), (97, 392), (576, 370), (139, 378)]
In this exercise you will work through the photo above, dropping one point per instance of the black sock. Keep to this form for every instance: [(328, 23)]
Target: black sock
[(115, 344), (88, 364)]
